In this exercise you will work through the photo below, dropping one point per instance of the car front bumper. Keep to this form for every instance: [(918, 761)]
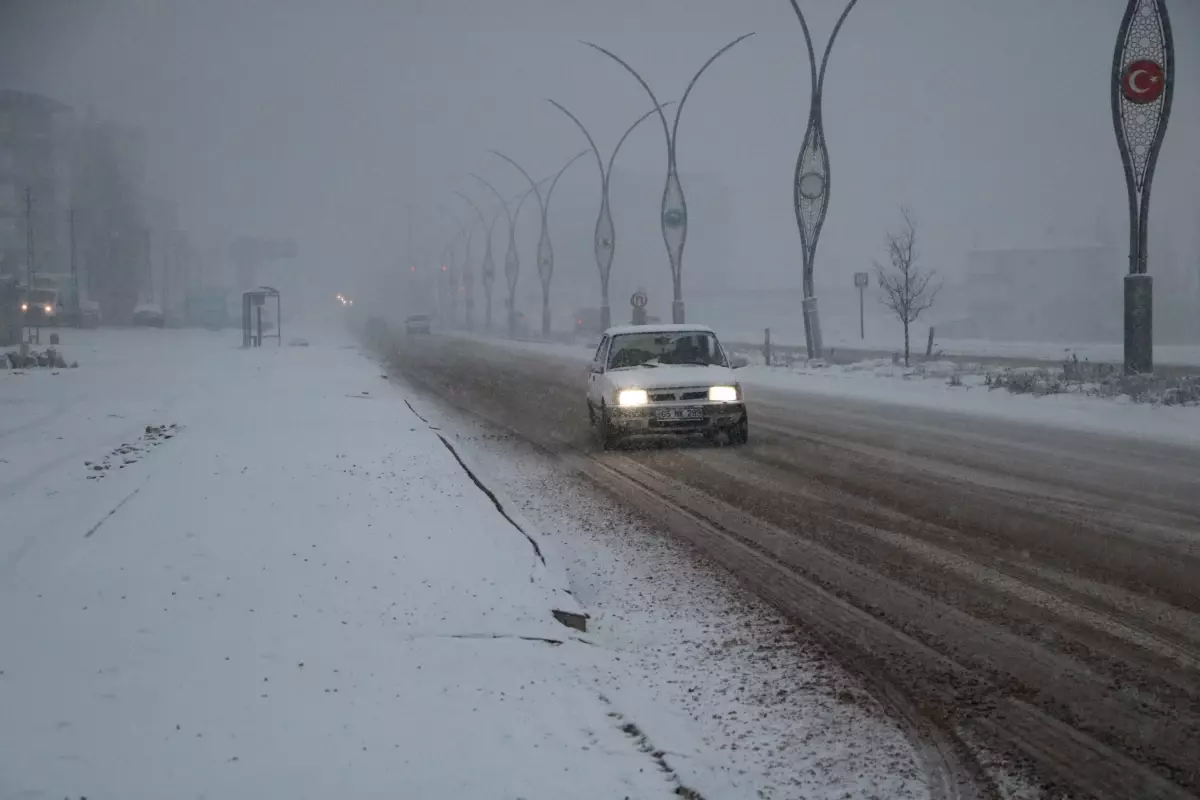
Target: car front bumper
[(644, 420)]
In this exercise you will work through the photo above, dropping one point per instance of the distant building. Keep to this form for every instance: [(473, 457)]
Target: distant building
[(33, 157), (113, 242), (1068, 292)]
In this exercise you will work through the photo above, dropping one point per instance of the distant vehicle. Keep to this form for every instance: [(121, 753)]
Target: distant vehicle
[(89, 314), (149, 315), (417, 324), (588, 321), (41, 307), (665, 380)]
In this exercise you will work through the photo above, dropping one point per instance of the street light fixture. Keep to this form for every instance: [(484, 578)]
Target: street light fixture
[(605, 242), (488, 267), (545, 252), (464, 233), (674, 206), (810, 191), (512, 260)]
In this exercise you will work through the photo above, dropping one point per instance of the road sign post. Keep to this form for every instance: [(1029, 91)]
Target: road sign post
[(639, 300), (861, 279)]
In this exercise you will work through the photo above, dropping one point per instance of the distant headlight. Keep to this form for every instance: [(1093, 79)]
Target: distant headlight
[(632, 397), (723, 394), (49, 309), (24, 306)]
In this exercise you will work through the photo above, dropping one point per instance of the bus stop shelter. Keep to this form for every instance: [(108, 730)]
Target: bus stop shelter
[(252, 316)]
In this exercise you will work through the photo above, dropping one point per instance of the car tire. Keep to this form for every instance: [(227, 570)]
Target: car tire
[(739, 434), (604, 433)]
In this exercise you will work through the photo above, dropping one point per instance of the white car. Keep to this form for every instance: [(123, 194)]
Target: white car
[(656, 380)]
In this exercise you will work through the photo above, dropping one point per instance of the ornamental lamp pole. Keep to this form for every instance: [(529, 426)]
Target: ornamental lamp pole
[(810, 191), (545, 252), (454, 274), (1142, 83), (488, 268), (605, 241), (512, 259), (673, 216)]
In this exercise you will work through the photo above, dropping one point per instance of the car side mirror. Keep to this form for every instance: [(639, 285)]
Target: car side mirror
[(595, 368), (737, 362)]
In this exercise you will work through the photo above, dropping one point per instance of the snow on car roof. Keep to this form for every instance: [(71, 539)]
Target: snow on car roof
[(623, 329)]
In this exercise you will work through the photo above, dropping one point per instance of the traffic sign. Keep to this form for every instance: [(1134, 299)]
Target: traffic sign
[(862, 279), (1143, 81), (639, 300)]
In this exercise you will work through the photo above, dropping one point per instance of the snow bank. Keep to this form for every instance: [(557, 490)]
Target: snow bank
[(300, 593), (883, 382)]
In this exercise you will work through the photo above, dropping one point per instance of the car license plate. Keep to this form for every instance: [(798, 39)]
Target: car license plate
[(687, 412)]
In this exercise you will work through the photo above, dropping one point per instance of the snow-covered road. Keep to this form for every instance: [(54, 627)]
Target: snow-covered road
[(1002, 572), (230, 573)]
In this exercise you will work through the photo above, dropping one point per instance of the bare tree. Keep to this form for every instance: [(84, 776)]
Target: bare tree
[(907, 289)]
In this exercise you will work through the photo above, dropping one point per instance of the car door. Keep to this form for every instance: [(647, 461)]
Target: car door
[(596, 373)]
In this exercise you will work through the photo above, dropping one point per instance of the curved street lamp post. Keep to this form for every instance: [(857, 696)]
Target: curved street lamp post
[(810, 192), (512, 260), (488, 268), (545, 252), (605, 242), (453, 273), (1142, 85), (674, 206)]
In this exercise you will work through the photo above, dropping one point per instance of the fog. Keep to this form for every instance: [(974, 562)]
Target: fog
[(328, 121)]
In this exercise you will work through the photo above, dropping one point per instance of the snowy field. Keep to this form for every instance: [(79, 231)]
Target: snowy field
[(231, 573), (882, 382)]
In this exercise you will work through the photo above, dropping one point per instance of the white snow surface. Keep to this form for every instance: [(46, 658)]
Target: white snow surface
[(880, 381), (714, 673), (296, 591)]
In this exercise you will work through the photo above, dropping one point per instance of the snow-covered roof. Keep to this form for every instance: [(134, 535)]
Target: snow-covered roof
[(656, 328)]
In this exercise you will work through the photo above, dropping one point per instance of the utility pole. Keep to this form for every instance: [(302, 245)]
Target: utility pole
[(410, 241), (76, 306), (29, 262), (32, 334)]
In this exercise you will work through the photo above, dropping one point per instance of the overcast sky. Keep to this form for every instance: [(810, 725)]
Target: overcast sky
[(321, 119)]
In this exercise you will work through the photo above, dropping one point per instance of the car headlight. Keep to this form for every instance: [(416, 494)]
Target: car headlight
[(723, 394), (632, 397), (49, 309), (24, 306)]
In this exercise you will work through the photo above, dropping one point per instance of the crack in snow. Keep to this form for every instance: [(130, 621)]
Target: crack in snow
[(111, 511), (522, 637), (491, 496), (644, 745)]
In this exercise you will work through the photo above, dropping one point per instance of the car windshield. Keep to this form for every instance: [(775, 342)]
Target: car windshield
[(675, 347), (42, 296)]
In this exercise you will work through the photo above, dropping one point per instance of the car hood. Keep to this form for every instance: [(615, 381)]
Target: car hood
[(668, 377)]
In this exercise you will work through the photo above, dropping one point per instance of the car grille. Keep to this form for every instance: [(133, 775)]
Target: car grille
[(671, 395)]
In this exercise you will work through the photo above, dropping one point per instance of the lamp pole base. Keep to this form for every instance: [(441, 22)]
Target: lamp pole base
[(677, 312), (1139, 324), (812, 328)]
